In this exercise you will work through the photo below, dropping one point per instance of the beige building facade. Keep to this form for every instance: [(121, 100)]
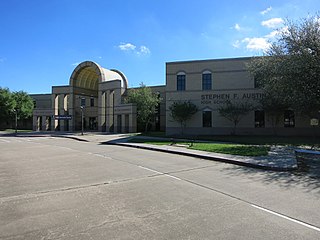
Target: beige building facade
[(94, 100), (209, 84)]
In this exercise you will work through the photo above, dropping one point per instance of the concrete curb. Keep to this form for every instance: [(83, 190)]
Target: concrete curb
[(212, 158)]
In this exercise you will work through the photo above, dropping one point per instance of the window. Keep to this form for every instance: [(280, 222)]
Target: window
[(181, 82), (257, 82), (83, 102), (259, 119), (92, 102), (206, 81), (206, 118), (289, 118)]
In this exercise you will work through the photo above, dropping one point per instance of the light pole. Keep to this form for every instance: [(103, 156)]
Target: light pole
[(81, 107)]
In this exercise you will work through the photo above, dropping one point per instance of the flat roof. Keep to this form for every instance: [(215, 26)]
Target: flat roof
[(211, 60)]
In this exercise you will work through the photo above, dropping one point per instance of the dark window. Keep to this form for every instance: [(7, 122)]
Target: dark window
[(181, 82), (34, 104), (289, 118), (83, 102), (259, 119), (257, 82), (206, 81), (91, 102), (206, 119)]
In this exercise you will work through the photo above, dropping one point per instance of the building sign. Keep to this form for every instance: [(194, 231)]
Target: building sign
[(123, 110), (222, 98), (62, 117)]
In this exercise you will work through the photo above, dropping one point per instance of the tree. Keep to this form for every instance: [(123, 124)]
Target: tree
[(181, 112), (291, 68), (23, 104), (12, 103), (6, 104), (146, 102), (234, 111)]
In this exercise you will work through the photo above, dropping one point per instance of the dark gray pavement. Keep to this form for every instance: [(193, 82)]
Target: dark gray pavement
[(280, 158), (77, 187)]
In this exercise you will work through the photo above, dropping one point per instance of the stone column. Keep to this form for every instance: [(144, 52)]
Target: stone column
[(34, 122), (71, 112), (61, 110), (132, 122), (123, 123), (115, 124), (102, 111), (110, 108), (55, 107)]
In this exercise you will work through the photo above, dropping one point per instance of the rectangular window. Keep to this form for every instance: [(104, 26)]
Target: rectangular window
[(259, 119), (83, 102), (92, 102), (289, 118), (181, 82), (257, 82), (206, 119), (206, 81)]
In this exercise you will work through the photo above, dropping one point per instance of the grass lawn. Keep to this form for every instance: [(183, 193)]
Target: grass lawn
[(234, 149), (255, 140)]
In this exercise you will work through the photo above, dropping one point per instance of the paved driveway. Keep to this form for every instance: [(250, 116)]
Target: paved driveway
[(58, 188)]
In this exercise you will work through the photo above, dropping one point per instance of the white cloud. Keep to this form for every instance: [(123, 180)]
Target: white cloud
[(75, 64), (142, 50), (236, 44), (272, 23), (127, 47), (256, 43), (237, 27), (266, 11)]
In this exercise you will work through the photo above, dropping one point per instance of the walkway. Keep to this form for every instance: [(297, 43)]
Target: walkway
[(279, 158)]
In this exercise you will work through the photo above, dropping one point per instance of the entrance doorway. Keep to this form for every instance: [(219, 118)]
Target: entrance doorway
[(93, 123)]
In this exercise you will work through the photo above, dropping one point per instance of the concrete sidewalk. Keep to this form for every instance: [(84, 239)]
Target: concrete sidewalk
[(279, 158)]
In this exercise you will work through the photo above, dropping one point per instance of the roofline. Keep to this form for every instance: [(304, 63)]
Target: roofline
[(210, 60)]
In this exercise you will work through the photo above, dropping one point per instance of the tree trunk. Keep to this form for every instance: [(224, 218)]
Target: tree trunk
[(146, 127)]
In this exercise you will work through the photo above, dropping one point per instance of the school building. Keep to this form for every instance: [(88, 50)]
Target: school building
[(94, 100)]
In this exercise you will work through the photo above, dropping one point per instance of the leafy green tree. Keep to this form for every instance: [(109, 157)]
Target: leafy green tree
[(234, 111), (23, 104), (181, 112), (146, 102), (12, 103), (7, 104), (291, 68)]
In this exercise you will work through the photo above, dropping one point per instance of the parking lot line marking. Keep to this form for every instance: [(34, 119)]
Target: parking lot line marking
[(287, 218), (161, 173)]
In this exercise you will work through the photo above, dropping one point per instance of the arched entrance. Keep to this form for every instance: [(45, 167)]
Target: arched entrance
[(93, 100)]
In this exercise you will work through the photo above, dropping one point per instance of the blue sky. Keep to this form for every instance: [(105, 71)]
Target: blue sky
[(41, 42)]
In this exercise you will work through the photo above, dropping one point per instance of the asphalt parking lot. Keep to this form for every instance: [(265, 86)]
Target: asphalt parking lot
[(60, 188)]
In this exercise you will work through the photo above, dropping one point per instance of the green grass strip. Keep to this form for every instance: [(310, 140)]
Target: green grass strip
[(234, 149)]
